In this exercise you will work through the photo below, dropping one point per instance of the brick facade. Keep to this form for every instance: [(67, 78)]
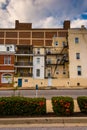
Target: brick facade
[(6, 69)]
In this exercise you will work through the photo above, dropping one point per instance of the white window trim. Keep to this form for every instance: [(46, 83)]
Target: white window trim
[(7, 60), (4, 79)]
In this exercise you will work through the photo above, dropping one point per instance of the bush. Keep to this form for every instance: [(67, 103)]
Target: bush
[(63, 106), (21, 106), (82, 102)]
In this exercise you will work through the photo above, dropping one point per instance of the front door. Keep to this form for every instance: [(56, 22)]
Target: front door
[(49, 82), (19, 82)]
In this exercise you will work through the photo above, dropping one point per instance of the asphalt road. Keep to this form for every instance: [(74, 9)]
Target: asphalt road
[(46, 128), (48, 94)]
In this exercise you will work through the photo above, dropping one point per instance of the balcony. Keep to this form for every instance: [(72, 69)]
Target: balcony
[(24, 53), (54, 51), (22, 74), (51, 62), (23, 64)]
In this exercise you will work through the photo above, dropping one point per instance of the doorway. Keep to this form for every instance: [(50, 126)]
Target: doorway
[(19, 82)]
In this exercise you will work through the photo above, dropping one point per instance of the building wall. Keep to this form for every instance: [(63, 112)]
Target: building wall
[(24, 34), (7, 67), (80, 47)]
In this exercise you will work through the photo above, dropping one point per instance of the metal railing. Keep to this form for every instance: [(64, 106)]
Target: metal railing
[(23, 63)]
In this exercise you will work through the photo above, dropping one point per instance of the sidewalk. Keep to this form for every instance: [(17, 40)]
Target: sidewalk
[(44, 121)]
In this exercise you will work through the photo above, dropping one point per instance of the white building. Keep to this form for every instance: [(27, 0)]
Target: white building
[(38, 63)]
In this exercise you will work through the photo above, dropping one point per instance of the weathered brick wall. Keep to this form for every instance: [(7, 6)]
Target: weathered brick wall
[(24, 34), (22, 26), (2, 59), (1, 34), (50, 34), (11, 34), (48, 42), (24, 41), (37, 34), (62, 34), (1, 41), (38, 42), (6, 67), (11, 41)]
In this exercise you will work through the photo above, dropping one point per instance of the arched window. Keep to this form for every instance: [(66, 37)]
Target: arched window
[(6, 78)]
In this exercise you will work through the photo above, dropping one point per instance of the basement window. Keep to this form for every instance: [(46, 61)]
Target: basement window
[(78, 84), (26, 80)]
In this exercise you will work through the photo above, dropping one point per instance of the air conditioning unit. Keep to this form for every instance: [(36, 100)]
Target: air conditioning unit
[(8, 48)]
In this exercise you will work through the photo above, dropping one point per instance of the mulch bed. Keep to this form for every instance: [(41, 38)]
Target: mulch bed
[(75, 114)]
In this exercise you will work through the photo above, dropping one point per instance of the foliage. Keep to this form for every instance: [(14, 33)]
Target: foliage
[(63, 106), (21, 106), (82, 102)]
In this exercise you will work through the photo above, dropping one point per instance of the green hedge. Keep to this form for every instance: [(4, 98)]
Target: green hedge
[(82, 102), (22, 106), (63, 106)]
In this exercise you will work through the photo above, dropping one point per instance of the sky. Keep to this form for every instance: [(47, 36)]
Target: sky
[(43, 13)]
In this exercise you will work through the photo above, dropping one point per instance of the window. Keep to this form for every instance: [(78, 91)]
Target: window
[(49, 73), (7, 60), (79, 70), (77, 55), (56, 43), (57, 72), (38, 60), (48, 51), (48, 61), (26, 80), (63, 44), (38, 50), (76, 40), (64, 72), (6, 78), (38, 72)]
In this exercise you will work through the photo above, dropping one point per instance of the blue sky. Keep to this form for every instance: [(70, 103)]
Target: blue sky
[(43, 13)]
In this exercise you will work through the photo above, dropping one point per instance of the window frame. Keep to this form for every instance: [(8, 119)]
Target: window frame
[(38, 72), (56, 43), (79, 70), (76, 40), (7, 60), (38, 60), (5, 79), (77, 56)]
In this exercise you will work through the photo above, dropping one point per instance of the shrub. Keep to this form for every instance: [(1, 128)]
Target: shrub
[(22, 106), (82, 102), (63, 106)]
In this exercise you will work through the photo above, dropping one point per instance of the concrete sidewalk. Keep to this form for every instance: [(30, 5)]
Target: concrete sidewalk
[(44, 121)]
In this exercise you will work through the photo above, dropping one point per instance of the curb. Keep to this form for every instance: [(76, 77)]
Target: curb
[(43, 120), (72, 88)]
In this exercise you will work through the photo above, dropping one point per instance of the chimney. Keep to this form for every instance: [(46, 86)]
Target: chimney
[(16, 23), (66, 24)]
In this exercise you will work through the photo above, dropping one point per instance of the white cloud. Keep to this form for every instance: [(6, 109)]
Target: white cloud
[(78, 23), (42, 13)]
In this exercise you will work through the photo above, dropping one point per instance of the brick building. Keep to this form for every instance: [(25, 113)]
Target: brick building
[(40, 56)]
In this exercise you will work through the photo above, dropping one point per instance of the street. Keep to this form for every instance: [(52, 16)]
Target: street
[(48, 94), (45, 128)]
